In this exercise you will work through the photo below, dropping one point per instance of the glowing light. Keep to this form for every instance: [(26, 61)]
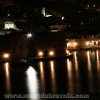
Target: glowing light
[(43, 11), (98, 63), (6, 55), (88, 6), (68, 44), (32, 83), (69, 75), (8, 14), (75, 44), (40, 53), (76, 61), (90, 77), (72, 44), (96, 42), (67, 52), (54, 30), (48, 15), (41, 70), (69, 65), (7, 72), (89, 60), (31, 71), (9, 25), (41, 67), (87, 43), (62, 18), (42, 75), (53, 82), (29, 35), (51, 53), (7, 69), (94, 5)]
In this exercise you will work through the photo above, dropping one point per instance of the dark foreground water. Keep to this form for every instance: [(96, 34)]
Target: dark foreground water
[(63, 78)]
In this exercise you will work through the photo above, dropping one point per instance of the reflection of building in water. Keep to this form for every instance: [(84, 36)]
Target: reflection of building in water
[(32, 84), (53, 81), (7, 72), (42, 77), (70, 76)]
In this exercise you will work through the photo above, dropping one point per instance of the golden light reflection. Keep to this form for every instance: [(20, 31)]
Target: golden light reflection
[(68, 52), (32, 83), (87, 43), (70, 76), (90, 77), (51, 53), (6, 55), (98, 65), (76, 61), (53, 81), (41, 70), (76, 71), (41, 66), (98, 62), (7, 71), (40, 53), (89, 60), (72, 44)]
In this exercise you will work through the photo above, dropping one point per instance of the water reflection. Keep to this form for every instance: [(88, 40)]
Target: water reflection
[(32, 84), (98, 65), (76, 71), (90, 77), (53, 81), (88, 60), (76, 61), (98, 62), (70, 76), (7, 72), (42, 78)]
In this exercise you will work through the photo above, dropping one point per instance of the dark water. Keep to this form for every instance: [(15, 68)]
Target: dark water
[(80, 75)]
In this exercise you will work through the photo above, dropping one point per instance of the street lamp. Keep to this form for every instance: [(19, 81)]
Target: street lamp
[(6, 55), (40, 53), (51, 53), (29, 35)]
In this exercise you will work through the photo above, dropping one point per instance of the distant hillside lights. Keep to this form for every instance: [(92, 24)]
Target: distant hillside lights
[(43, 11), (9, 25)]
